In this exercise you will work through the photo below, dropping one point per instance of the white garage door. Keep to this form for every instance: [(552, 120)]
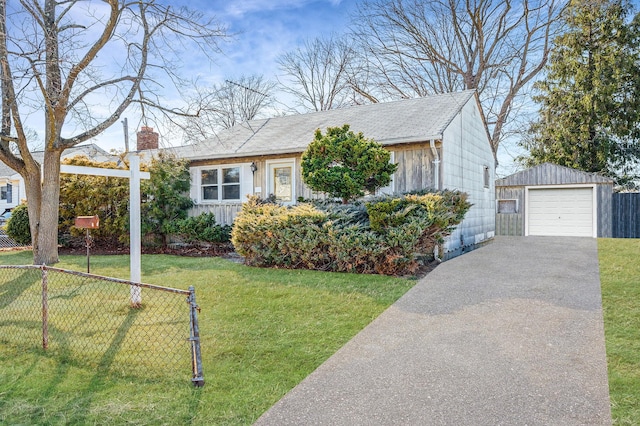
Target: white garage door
[(561, 211)]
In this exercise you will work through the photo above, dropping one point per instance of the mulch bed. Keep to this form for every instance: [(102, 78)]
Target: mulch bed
[(212, 250)]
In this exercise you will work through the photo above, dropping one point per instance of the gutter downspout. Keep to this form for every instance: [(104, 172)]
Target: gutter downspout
[(436, 184), (436, 163)]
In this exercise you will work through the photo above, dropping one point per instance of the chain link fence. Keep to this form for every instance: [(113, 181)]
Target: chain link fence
[(5, 241), (99, 322)]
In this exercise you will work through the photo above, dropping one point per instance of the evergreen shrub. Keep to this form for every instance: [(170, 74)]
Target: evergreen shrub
[(84, 195), (202, 228), (389, 235), (17, 226), (345, 164)]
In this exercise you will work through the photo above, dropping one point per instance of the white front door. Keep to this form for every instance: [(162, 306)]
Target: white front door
[(281, 181)]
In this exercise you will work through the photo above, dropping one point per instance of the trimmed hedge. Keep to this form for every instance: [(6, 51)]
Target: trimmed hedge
[(388, 235), (202, 228)]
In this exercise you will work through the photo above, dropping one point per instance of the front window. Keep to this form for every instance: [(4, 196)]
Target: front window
[(507, 206), (220, 184), (231, 183), (209, 180), (3, 192)]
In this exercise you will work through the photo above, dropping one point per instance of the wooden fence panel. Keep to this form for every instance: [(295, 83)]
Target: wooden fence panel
[(626, 215), (509, 224)]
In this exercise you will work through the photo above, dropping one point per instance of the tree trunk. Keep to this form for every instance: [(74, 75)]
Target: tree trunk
[(33, 191), (46, 196)]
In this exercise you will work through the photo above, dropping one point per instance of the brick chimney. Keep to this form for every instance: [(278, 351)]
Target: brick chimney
[(147, 138)]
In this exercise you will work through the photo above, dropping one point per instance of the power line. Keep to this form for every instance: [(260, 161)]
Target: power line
[(260, 93), (247, 88)]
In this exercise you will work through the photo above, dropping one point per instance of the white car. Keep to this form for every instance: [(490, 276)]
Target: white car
[(4, 217)]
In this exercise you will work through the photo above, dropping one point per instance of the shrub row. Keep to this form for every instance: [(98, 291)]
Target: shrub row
[(202, 228), (165, 204), (388, 235)]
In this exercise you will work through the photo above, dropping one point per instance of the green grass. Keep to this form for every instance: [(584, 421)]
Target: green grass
[(262, 330), (620, 280)]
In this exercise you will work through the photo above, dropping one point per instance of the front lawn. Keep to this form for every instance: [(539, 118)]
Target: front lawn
[(620, 280), (262, 331)]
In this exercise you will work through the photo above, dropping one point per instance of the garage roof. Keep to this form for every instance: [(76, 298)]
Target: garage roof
[(551, 174)]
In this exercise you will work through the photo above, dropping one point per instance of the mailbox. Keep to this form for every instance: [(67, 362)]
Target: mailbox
[(87, 222)]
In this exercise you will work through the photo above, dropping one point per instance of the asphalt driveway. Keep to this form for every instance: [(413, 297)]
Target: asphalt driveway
[(509, 334)]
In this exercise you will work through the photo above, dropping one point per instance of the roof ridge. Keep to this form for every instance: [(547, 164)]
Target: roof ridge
[(451, 95)]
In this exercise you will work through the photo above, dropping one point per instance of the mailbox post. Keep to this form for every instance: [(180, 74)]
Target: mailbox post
[(87, 222)]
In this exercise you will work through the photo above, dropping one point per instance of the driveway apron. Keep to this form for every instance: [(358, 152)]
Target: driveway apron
[(509, 334)]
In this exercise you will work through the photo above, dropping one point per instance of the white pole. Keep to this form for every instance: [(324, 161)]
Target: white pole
[(135, 229), (134, 175)]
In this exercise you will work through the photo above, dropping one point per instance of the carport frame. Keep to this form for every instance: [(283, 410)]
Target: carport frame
[(593, 186)]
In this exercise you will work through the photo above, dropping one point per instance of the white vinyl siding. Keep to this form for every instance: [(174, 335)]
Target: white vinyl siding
[(561, 211)]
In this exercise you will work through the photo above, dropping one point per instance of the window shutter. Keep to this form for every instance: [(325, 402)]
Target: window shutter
[(9, 193)]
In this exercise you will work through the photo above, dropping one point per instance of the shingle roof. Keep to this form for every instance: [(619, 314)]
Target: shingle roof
[(404, 121)]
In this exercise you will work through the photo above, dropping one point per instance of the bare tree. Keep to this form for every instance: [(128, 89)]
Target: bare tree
[(82, 64), (317, 73), (227, 104), (420, 47)]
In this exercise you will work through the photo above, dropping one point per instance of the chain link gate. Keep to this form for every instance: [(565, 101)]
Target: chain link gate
[(89, 320)]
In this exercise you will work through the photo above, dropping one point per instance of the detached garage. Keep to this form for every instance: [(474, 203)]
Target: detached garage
[(553, 200)]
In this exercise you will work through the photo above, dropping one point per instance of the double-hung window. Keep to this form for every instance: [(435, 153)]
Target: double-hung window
[(5, 193), (220, 184)]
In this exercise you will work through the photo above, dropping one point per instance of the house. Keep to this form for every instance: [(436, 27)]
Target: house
[(554, 200), (12, 190), (438, 142)]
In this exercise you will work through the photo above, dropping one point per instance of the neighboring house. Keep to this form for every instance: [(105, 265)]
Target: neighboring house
[(12, 190), (438, 142), (554, 200)]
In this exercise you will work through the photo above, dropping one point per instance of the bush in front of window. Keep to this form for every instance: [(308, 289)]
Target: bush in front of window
[(389, 235), (202, 228)]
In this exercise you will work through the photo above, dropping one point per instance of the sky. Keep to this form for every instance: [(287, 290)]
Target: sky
[(261, 30)]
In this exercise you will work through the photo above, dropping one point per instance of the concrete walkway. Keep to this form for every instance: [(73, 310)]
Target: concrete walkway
[(509, 334)]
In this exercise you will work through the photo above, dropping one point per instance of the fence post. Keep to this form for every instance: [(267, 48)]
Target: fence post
[(45, 308), (196, 357)]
